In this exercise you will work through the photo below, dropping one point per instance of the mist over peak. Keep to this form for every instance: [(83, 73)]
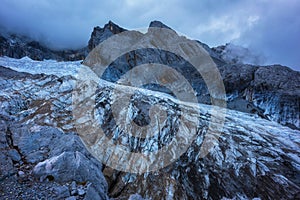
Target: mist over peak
[(237, 54), (271, 28)]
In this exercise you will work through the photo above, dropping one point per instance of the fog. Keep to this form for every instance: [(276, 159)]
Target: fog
[(269, 28)]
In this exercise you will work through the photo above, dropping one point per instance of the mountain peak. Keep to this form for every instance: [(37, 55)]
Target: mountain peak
[(113, 27), (158, 24), (100, 34)]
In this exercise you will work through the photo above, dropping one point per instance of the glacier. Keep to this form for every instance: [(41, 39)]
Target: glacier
[(254, 158)]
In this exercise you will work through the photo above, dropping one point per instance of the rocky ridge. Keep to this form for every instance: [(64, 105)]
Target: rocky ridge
[(17, 46)]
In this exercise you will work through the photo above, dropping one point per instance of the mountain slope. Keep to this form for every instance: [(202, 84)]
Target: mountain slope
[(272, 92), (16, 46)]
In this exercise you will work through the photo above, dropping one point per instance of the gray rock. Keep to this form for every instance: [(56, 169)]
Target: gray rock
[(21, 173), (72, 166), (3, 127), (239, 78), (276, 90), (67, 143), (71, 198), (73, 185), (32, 145), (136, 197), (74, 192), (3, 142), (270, 91), (36, 156), (61, 192), (30, 142), (81, 191), (273, 89), (92, 194), (73, 188), (14, 155), (6, 166)]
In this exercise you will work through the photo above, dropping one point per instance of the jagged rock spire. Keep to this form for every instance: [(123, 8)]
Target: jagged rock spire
[(100, 34)]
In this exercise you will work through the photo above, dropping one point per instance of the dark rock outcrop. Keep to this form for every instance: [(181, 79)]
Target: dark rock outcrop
[(39, 153), (100, 34), (15, 46), (272, 92), (158, 24)]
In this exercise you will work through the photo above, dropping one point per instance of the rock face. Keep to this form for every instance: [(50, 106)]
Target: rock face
[(272, 92), (158, 24), (101, 34), (20, 46), (279, 96), (48, 164), (42, 155), (16, 46)]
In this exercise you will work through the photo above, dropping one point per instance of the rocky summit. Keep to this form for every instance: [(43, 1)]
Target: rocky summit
[(45, 155)]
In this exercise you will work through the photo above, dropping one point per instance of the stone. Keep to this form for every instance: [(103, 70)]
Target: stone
[(72, 166), (3, 142), (81, 191), (73, 188), (249, 148), (61, 192), (35, 156), (14, 155), (136, 197), (21, 173), (6, 166), (33, 142), (92, 194), (67, 143), (71, 198)]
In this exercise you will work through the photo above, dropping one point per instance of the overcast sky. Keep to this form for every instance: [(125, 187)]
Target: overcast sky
[(268, 27)]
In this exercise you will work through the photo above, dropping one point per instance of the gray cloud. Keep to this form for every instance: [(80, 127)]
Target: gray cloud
[(270, 28)]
